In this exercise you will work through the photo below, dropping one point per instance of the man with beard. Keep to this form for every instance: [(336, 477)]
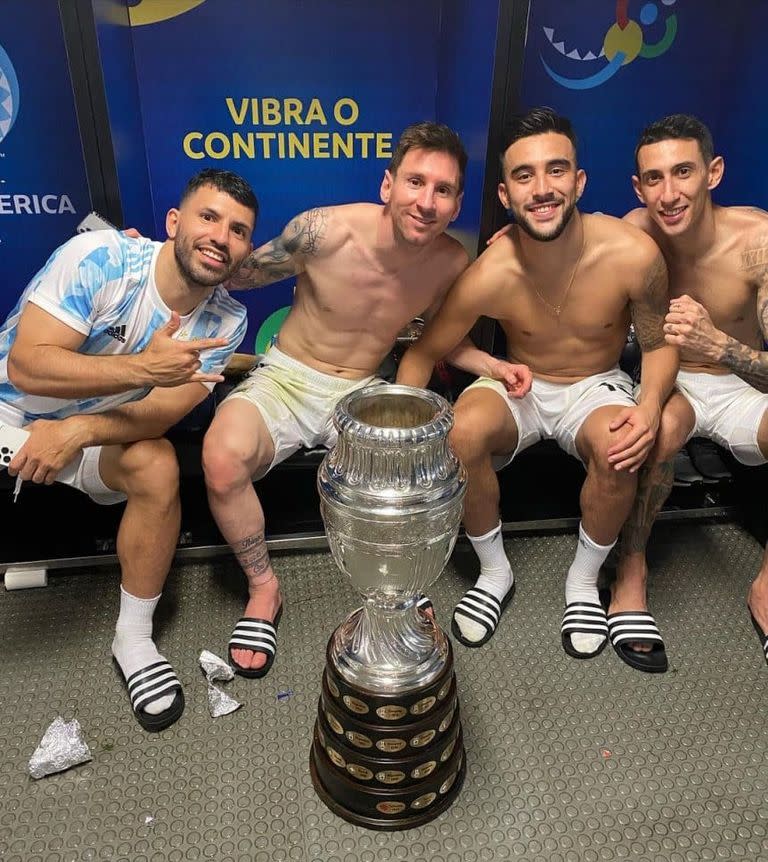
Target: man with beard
[(363, 272), (718, 318), (111, 343), (564, 287)]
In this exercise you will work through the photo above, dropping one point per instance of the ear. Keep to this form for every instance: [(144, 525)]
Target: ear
[(457, 208), (172, 223), (638, 189), (715, 173), (503, 196), (581, 182), (386, 187)]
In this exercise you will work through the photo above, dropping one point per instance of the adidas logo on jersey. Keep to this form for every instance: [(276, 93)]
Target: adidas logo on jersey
[(117, 332)]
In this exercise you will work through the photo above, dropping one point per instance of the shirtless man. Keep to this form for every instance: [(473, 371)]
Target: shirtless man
[(564, 287), (717, 259), (363, 272)]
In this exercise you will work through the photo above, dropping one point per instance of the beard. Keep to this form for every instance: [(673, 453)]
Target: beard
[(410, 235), (194, 271), (555, 232)]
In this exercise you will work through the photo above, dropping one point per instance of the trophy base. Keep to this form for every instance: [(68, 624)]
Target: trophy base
[(380, 822), (388, 760)]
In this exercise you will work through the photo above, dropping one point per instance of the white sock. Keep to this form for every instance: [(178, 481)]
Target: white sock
[(496, 576), (133, 646), (581, 584)]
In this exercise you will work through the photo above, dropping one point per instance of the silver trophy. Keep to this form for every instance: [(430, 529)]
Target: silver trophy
[(387, 750)]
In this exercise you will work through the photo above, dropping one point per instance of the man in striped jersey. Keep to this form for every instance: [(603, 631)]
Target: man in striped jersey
[(112, 343)]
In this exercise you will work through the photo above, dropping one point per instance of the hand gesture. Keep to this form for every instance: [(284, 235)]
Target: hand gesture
[(640, 425), (170, 361), (689, 326), (516, 378)]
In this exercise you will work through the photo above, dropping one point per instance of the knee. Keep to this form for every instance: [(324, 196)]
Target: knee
[(152, 469), (671, 436), (614, 481), (225, 463), (466, 437)]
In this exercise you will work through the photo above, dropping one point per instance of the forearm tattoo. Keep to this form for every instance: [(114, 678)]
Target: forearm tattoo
[(653, 489), (253, 557), (279, 258), (752, 365), (650, 309)]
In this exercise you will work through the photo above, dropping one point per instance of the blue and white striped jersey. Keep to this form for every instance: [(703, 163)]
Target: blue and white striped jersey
[(102, 284)]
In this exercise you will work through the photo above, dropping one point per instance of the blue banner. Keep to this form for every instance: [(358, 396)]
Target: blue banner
[(613, 66), (305, 100), (43, 186)]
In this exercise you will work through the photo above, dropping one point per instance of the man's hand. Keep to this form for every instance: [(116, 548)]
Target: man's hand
[(689, 326), (516, 378), (51, 445), (499, 234), (132, 233), (640, 425), (170, 361)]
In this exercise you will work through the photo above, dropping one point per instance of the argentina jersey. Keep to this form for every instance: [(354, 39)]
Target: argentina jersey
[(102, 285)]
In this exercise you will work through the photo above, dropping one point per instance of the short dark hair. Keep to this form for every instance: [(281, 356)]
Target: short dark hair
[(225, 181), (677, 127), (430, 136), (537, 121)]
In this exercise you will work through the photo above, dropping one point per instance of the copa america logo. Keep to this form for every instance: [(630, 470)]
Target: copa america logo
[(9, 94)]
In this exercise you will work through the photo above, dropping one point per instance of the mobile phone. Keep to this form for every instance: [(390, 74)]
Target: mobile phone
[(93, 221)]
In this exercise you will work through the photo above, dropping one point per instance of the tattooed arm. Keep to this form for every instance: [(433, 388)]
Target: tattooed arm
[(660, 361), (648, 304), (284, 255), (752, 365), (690, 326)]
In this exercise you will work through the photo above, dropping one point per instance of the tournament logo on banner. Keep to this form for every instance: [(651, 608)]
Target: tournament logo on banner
[(625, 40), (142, 12), (9, 94)]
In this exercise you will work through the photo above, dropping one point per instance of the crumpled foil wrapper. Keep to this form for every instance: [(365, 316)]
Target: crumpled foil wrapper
[(61, 747), (215, 668), (220, 703)]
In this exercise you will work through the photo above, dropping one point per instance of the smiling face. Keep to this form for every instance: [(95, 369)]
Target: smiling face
[(422, 196), (675, 183), (541, 184), (211, 235)]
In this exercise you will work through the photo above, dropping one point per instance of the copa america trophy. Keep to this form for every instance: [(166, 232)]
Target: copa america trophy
[(387, 751)]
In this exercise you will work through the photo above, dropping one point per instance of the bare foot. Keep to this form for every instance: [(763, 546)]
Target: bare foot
[(628, 593), (264, 603), (424, 604)]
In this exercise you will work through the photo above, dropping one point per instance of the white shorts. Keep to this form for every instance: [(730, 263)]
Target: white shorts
[(296, 402), (87, 478), (89, 481), (556, 411), (728, 410)]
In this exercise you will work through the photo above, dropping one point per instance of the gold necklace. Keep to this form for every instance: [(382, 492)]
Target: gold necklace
[(557, 309)]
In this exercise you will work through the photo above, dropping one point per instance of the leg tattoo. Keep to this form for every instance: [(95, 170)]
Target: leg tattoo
[(653, 489), (253, 557)]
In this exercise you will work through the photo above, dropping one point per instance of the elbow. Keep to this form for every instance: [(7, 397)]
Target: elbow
[(19, 377)]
